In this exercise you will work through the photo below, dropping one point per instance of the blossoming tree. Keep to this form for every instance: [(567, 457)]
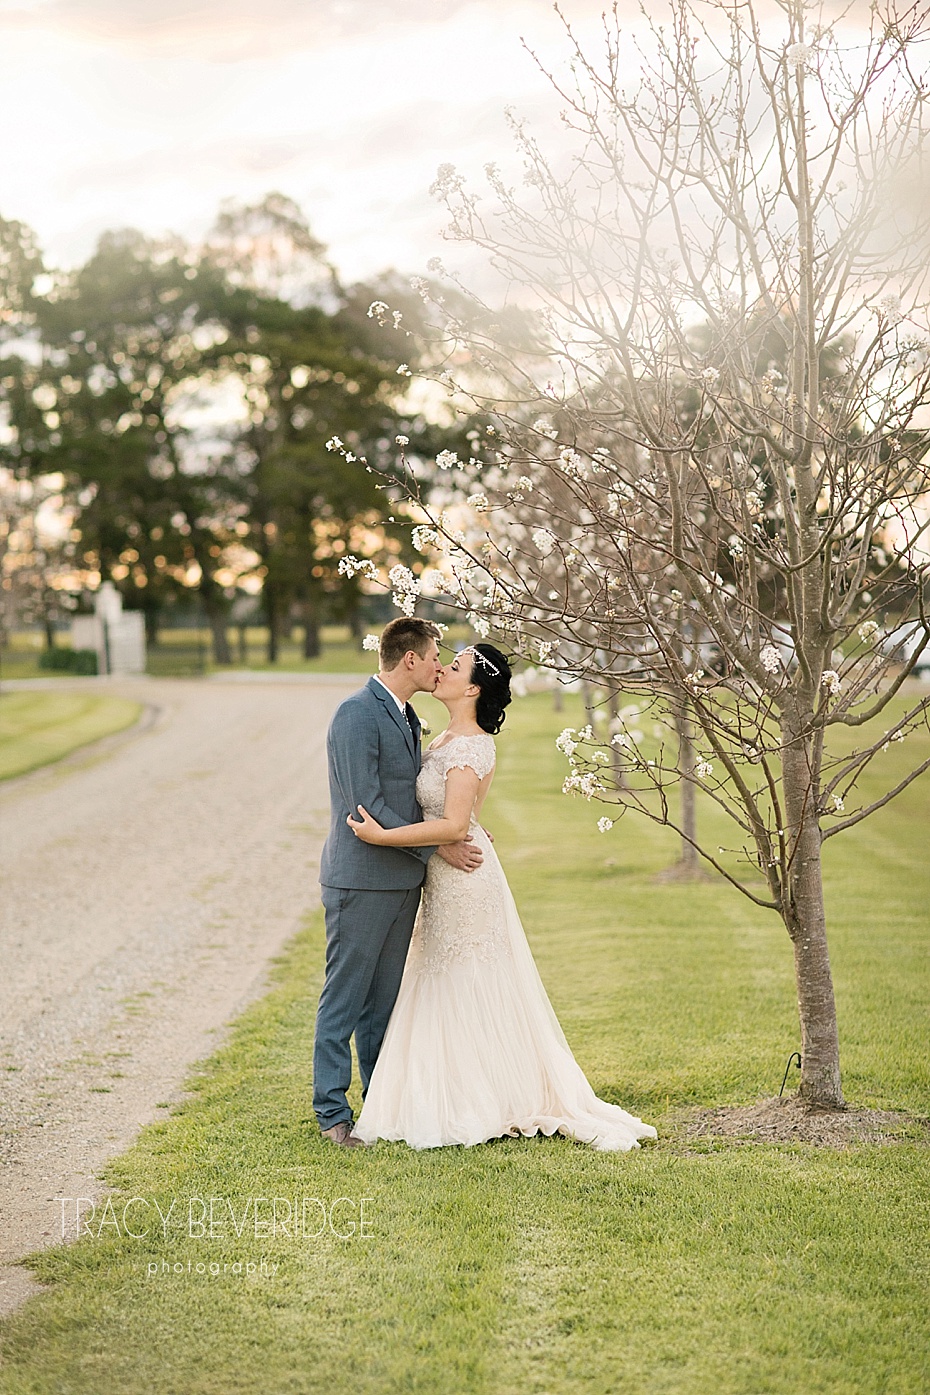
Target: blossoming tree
[(708, 490)]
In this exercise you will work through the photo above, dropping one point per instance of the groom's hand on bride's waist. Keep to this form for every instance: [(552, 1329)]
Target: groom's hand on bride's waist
[(466, 856)]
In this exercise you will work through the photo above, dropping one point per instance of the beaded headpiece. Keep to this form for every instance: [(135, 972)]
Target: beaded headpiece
[(482, 658)]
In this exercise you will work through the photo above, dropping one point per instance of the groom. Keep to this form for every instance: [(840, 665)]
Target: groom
[(371, 894)]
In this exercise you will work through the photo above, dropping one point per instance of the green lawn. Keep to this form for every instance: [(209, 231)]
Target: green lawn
[(37, 728), (538, 1265), (186, 652)]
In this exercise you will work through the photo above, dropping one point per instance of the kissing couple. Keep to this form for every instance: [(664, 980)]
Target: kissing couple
[(427, 962)]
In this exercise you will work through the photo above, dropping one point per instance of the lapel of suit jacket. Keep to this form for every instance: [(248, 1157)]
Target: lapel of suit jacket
[(382, 694)]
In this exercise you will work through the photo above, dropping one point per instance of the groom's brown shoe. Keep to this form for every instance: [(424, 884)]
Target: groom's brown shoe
[(342, 1134)]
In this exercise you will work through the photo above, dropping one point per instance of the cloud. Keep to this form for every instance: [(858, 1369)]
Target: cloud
[(232, 30)]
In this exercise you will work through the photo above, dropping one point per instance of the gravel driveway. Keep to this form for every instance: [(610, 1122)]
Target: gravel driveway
[(146, 884)]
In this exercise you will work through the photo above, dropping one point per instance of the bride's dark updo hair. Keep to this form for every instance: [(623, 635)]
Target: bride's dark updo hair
[(491, 672)]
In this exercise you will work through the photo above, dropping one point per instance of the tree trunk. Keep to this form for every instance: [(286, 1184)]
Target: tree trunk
[(806, 923), (49, 627), (618, 762), (150, 614), (216, 619), (311, 634), (690, 866), (588, 693), (243, 646), (271, 616), (222, 654)]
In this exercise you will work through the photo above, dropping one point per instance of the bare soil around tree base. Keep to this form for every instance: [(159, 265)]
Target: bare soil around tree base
[(790, 1120)]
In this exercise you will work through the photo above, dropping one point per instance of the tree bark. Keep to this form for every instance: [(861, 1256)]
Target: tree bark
[(806, 923), (222, 654), (618, 763), (217, 620), (272, 618), (689, 856), (150, 614), (311, 631)]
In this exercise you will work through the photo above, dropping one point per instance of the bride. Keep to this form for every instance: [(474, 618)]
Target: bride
[(474, 1050)]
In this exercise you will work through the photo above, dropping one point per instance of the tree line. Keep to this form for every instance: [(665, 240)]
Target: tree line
[(175, 399)]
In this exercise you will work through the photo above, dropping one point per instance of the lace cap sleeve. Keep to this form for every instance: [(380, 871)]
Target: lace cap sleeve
[(475, 753)]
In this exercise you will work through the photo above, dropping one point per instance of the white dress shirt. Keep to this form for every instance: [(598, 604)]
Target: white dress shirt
[(400, 702)]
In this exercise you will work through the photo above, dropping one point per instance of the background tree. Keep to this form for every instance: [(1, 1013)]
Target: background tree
[(309, 363), (101, 398), (731, 271)]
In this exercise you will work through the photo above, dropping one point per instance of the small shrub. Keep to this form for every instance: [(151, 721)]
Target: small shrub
[(81, 661)]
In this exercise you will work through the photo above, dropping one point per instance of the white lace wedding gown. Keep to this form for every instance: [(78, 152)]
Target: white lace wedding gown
[(474, 1050)]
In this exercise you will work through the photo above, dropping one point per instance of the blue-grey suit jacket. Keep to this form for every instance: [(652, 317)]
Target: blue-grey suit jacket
[(374, 759)]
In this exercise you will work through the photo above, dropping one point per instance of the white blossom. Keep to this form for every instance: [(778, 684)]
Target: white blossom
[(424, 537), (589, 785), (402, 440), (703, 769), (711, 377), (621, 740), (565, 741), (830, 680), (403, 371), (370, 642), (447, 460), (545, 649), (799, 55), (866, 630), (378, 310), (543, 541), (735, 545), (479, 502), (770, 659), (605, 824), (434, 580), (889, 310), (403, 579), (838, 804), (545, 428), (349, 565), (479, 624), (334, 443), (448, 181)]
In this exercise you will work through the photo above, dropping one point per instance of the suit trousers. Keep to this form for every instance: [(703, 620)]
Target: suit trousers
[(367, 938)]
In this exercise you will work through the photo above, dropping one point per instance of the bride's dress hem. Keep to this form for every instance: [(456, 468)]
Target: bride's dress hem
[(598, 1143)]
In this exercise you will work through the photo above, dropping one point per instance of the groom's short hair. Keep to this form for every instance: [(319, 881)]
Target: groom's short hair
[(403, 634)]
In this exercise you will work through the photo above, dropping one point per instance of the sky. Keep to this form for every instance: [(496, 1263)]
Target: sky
[(148, 113)]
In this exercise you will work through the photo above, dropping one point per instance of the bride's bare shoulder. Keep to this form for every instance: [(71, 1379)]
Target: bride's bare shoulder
[(446, 738)]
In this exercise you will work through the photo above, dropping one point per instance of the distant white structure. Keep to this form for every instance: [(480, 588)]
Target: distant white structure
[(116, 636)]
